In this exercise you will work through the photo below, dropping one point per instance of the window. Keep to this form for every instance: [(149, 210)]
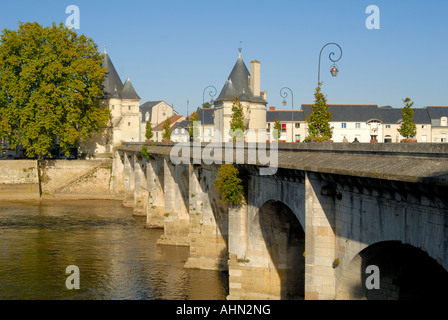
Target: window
[(443, 137), (298, 137), (443, 122), (344, 126), (424, 126), (387, 126), (424, 139), (297, 125), (147, 117), (129, 124), (129, 108), (283, 127), (357, 125), (113, 107)]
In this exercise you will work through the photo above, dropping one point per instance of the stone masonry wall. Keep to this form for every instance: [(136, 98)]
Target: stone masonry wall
[(19, 180)]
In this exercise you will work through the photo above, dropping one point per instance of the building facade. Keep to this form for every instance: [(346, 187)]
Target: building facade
[(156, 112)]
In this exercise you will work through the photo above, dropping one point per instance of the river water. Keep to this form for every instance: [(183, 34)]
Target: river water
[(117, 257)]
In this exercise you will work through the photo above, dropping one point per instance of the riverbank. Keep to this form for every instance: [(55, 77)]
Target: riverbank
[(56, 180)]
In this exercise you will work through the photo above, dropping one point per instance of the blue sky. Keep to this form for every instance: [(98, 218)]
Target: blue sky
[(171, 50)]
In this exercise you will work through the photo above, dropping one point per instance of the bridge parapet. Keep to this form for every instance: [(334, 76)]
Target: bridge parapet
[(415, 163)]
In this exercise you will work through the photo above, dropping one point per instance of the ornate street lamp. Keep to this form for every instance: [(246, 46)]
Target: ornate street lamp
[(334, 70), (284, 95), (212, 93)]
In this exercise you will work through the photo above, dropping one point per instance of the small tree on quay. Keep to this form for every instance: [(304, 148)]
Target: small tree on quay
[(319, 121)]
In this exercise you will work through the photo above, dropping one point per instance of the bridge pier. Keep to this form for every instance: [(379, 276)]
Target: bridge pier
[(208, 222), (176, 216), (320, 240), (118, 175), (155, 202), (129, 180), (140, 190)]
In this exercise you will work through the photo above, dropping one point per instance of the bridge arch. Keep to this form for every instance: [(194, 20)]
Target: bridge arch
[(277, 244), (405, 273)]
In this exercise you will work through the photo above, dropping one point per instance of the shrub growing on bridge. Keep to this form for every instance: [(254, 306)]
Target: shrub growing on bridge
[(230, 185)]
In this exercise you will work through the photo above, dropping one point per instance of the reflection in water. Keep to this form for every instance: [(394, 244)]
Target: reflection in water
[(118, 258)]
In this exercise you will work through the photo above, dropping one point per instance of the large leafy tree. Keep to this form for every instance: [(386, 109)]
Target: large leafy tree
[(319, 121), (50, 82), (408, 129), (237, 126)]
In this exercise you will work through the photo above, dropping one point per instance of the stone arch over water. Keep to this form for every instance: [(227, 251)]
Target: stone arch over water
[(277, 243), (405, 273)]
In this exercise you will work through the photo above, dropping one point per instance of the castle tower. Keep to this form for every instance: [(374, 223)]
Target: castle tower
[(123, 103), (245, 86)]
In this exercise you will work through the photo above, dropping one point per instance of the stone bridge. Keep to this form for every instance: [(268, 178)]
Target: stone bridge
[(314, 228)]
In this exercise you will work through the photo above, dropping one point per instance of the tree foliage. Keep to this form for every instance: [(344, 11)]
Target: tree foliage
[(149, 134), (319, 121), (277, 129), (50, 82), (237, 126), (229, 185), (193, 130), (166, 135), (408, 129)]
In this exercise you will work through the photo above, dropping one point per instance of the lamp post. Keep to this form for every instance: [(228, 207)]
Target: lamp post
[(212, 93), (284, 95), (334, 70)]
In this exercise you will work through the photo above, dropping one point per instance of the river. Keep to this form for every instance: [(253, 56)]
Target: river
[(117, 257)]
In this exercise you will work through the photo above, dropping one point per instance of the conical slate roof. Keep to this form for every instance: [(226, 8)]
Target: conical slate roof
[(112, 80), (238, 85), (129, 91)]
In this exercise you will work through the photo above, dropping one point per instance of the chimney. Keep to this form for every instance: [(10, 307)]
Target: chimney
[(255, 77), (271, 108)]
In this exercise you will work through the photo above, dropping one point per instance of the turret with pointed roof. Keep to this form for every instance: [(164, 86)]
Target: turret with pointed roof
[(112, 81), (124, 105), (128, 91), (238, 85)]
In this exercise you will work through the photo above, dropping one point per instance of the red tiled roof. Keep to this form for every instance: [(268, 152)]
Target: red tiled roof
[(172, 120)]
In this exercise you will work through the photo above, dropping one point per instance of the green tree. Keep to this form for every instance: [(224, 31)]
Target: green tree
[(237, 126), (277, 129), (149, 134), (229, 185), (408, 129), (319, 121), (51, 80), (167, 131), (193, 130)]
